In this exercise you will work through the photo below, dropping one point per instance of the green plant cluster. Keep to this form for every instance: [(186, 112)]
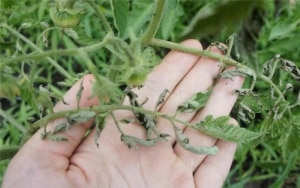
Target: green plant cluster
[(46, 46)]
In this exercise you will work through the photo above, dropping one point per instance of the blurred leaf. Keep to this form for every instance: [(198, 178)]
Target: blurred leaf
[(171, 16), (9, 88), (43, 100), (139, 15), (79, 35), (282, 29), (210, 19), (120, 10), (258, 102), (293, 141)]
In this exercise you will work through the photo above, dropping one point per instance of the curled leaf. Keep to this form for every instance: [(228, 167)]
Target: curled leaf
[(57, 138), (240, 71), (196, 102), (183, 140), (82, 116), (100, 122), (132, 142), (291, 68), (161, 98), (62, 126)]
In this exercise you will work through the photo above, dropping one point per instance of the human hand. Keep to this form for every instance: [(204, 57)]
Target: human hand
[(79, 163)]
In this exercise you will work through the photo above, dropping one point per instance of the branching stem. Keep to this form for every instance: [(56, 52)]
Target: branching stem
[(59, 68)]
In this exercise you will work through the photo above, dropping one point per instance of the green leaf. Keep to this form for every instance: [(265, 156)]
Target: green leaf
[(120, 10), (282, 30), (171, 16), (196, 102), (79, 35), (258, 102), (10, 87), (210, 19), (220, 128), (183, 140), (139, 16)]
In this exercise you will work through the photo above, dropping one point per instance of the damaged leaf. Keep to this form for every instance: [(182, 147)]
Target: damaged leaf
[(196, 102)]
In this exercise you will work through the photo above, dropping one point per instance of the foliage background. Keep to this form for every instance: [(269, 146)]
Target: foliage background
[(263, 30)]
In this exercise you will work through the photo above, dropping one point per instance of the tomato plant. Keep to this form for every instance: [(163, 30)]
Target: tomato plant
[(46, 46)]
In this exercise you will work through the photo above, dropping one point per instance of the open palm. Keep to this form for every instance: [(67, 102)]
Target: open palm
[(79, 163)]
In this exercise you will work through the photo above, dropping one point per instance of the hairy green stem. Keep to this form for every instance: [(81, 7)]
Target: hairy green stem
[(221, 58), (103, 20), (154, 23), (179, 47), (42, 54), (59, 68)]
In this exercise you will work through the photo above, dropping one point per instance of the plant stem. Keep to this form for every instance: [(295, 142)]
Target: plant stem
[(42, 54), (179, 47), (103, 20), (59, 68), (103, 109), (154, 23)]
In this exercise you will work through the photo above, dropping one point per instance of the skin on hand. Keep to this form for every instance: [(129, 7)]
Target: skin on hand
[(79, 163)]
